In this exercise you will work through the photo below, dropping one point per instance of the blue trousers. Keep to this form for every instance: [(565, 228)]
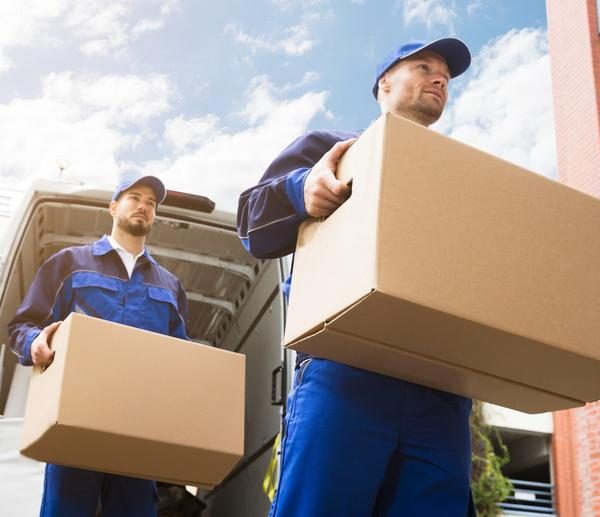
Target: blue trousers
[(70, 492), (359, 444)]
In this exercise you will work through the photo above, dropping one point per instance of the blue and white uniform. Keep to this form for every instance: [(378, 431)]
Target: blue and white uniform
[(355, 443), (94, 280)]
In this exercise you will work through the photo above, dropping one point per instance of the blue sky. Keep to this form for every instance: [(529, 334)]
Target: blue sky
[(204, 94)]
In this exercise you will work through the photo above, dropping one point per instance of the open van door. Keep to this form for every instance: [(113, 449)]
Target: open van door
[(235, 303)]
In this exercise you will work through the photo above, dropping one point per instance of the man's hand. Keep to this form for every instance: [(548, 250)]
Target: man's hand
[(41, 355), (323, 193)]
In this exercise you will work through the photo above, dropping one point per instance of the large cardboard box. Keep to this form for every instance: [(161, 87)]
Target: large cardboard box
[(127, 401), (452, 268)]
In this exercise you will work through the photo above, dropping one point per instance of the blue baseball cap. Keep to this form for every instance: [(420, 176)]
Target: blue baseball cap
[(453, 50), (150, 181)]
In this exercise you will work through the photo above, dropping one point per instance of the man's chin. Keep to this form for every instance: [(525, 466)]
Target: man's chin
[(139, 230), (136, 228), (431, 111)]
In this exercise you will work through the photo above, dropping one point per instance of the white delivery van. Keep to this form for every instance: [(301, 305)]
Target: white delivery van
[(235, 303)]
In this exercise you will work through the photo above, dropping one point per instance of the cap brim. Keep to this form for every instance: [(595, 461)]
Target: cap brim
[(454, 51), (155, 184)]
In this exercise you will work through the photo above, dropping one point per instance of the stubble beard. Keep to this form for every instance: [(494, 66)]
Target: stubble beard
[(136, 229), (428, 112)]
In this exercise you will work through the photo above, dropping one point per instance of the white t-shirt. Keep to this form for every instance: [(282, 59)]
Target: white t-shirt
[(128, 259)]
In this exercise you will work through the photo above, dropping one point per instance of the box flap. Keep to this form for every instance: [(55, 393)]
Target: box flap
[(327, 322)]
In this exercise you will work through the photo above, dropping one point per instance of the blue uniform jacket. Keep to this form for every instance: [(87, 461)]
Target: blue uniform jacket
[(93, 280)]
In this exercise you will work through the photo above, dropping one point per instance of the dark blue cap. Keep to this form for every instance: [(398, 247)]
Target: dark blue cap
[(453, 50), (153, 182)]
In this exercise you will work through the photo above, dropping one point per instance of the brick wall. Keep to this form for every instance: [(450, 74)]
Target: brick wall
[(564, 456), (575, 61), (587, 439)]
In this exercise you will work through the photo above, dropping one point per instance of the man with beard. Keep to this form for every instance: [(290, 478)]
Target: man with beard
[(356, 443), (115, 279)]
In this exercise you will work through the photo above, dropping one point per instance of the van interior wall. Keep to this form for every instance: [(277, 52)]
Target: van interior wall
[(258, 334), (19, 277), (202, 250)]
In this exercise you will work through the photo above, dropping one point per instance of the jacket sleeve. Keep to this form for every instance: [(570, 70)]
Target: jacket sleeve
[(47, 301), (178, 323), (270, 213)]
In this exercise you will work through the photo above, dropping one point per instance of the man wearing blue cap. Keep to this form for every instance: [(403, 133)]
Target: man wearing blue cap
[(356, 443), (114, 279)]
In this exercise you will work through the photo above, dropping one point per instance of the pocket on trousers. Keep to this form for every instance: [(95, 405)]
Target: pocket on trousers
[(299, 375), (301, 371)]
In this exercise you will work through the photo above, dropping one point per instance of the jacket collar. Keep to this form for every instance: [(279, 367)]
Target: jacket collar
[(103, 246)]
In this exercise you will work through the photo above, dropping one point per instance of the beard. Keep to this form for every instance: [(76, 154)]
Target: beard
[(137, 227), (428, 109)]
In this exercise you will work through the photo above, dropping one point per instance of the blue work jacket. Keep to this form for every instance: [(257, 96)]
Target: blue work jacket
[(92, 280)]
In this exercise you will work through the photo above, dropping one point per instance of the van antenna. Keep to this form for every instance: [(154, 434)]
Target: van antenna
[(62, 165)]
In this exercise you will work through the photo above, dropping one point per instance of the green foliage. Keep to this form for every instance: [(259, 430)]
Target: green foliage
[(488, 483)]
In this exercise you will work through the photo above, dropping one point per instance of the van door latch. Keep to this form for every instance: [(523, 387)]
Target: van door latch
[(277, 372)]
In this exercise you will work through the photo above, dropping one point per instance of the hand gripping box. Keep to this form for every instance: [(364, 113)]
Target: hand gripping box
[(452, 268), (127, 401)]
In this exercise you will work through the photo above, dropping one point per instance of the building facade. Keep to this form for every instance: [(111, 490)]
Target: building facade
[(574, 35)]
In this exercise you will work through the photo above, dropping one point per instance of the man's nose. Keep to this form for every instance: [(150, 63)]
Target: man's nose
[(440, 80)]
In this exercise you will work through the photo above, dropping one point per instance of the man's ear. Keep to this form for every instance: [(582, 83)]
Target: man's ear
[(384, 83), (112, 207)]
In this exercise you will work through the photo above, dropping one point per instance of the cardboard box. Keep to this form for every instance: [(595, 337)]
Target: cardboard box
[(452, 268), (127, 401)]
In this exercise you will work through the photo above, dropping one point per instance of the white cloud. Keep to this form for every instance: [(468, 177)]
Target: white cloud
[(22, 22), (153, 24), (98, 27), (429, 12), (103, 24), (506, 107), (168, 6), (209, 159), (182, 133), (293, 41), (125, 99), (147, 25), (474, 6), (309, 77), (297, 41), (81, 118)]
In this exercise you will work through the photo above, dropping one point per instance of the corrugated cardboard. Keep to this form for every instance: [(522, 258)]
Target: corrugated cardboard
[(455, 269), (127, 401)]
